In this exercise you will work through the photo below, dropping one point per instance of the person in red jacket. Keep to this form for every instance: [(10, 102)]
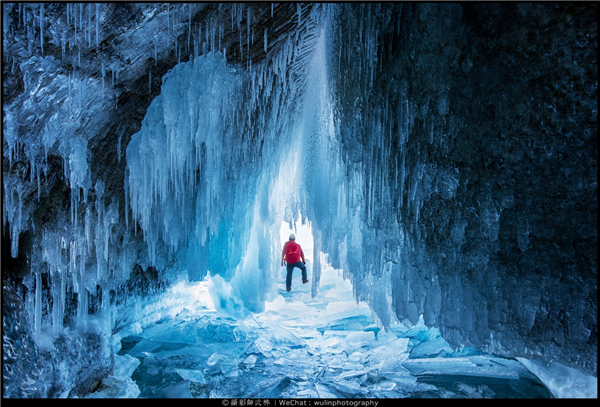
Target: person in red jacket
[(292, 254)]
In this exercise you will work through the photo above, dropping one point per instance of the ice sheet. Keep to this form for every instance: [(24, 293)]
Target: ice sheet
[(305, 361)]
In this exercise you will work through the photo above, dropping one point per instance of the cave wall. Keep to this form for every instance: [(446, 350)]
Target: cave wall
[(474, 127), (77, 82), (480, 134), (91, 80)]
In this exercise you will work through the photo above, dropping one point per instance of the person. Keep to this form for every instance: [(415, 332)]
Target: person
[(292, 254)]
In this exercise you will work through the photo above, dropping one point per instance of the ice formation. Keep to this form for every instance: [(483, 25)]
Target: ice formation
[(301, 346), (198, 186), (443, 155)]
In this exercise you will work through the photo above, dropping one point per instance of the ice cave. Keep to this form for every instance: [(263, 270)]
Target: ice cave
[(437, 163)]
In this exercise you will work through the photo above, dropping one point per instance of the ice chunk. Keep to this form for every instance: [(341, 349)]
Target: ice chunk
[(248, 329), (274, 340), (563, 381), (195, 376), (222, 363), (144, 347), (351, 388), (360, 336), (225, 299), (484, 366), (345, 309), (120, 384), (351, 336), (250, 361), (383, 386), (324, 392), (117, 387), (470, 391), (437, 346), (265, 386), (178, 391), (392, 354), (125, 365), (360, 372)]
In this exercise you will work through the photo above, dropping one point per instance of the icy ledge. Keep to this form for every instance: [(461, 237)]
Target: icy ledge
[(563, 381)]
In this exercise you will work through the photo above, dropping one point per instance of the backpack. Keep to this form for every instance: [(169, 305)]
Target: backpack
[(292, 252)]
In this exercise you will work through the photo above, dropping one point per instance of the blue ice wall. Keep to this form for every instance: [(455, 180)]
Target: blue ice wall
[(472, 129)]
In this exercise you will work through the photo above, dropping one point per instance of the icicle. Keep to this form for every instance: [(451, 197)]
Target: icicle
[(31, 167), (119, 145), (30, 41), (97, 25), (207, 37), (82, 304), (99, 236), (103, 69), (17, 227), (189, 26), (73, 262), (265, 41), (39, 187), (150, 81), (239, 29), (81, 89), (37, 329), (126, 201), (87, 229), (42, 28), (431, 133), (155, 52), (63, 42), (106, 307), (5, 24), (220, 34), (248, 23), (89, 27), (58, 304), (214, 34)]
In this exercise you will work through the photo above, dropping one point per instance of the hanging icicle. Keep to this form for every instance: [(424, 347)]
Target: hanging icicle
[(42, 28)]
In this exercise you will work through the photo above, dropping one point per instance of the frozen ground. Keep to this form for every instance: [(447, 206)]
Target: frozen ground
[(302, 347)]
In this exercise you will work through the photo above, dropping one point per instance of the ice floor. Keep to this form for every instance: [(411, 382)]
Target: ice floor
[(303, 347)]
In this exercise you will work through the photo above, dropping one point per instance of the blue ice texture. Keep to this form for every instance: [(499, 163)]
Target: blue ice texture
[(209, 203)]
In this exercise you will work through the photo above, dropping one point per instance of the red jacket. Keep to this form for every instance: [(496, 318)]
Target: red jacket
[(292, 252)]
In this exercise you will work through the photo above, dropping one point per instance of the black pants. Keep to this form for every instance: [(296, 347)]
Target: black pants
[(290, 270)]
